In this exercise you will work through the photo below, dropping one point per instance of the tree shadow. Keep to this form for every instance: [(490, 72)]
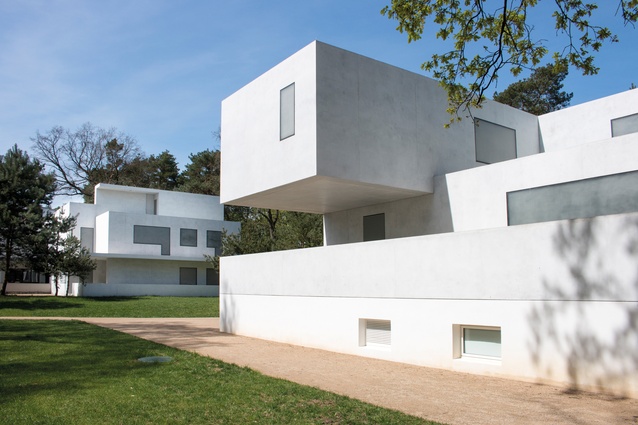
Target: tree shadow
[(33, 303), (586, 325)]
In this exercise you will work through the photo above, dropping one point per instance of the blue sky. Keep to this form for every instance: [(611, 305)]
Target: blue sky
[(159, 69)]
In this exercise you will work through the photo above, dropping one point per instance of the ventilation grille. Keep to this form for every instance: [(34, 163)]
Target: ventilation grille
[(378, 332)]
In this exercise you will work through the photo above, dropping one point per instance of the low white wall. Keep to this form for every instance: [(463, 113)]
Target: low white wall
[(28, 288), (563, 293), (132, 289)]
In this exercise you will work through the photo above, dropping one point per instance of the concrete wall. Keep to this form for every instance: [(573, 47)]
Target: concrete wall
[(478, 197), (587, 122), (27, 288), (132, 290), (421, 215), (114, 234), (380, 124), (150, 272), (563, 293), (254, 158), (361, 123), (169, 203)]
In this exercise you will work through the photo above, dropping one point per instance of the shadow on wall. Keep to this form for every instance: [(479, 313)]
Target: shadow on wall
[(227, 319), (595, 344)]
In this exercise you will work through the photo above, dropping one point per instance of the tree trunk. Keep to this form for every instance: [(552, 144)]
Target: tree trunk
[(7, 264)]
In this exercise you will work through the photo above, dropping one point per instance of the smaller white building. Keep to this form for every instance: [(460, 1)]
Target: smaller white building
[(148, 242)]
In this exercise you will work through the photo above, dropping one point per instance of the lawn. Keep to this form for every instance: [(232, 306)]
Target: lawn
[(60, 372), (11, 306)]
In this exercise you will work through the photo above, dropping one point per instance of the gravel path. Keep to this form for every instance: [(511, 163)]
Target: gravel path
[(439, 395)]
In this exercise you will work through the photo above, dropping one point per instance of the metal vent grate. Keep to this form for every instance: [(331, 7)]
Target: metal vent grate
[(378, 332)]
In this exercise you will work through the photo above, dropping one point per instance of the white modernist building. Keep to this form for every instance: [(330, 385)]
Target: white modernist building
[(506, 245), (149, 242)]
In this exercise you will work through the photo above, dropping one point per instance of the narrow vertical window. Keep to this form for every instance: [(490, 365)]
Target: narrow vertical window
[(287, 112)]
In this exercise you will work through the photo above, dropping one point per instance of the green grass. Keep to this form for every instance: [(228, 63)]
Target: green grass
[(54, 372), (11, 306)]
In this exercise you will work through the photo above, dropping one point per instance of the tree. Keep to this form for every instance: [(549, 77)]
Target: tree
[(164, 173), (25, 192), (87, 156), (47, 251), (75, 260), (201, 175), (509, 39), (540, 93)]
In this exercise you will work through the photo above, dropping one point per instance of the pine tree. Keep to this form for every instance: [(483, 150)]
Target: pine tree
[(26, 191)]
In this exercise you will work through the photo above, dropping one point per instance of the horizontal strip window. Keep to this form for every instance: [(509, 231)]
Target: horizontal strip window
[(624, 125), (612, 194)]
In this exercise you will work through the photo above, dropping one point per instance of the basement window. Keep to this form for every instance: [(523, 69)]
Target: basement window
[(481, 342), (375, 333)]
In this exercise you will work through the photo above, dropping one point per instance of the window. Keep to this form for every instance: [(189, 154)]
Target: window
[(373, 227), (214, 240), (375, 333), (153, 235), (478, 342), (188, 276), (212, 277), (611, 194), (188, 237), (287, 112), (624, 125), (494, 143)]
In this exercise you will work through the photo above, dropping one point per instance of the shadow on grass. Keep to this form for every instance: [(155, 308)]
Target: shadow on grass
[(33, 303), (62, 357)]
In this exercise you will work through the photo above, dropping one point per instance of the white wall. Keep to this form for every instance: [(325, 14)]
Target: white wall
[(109, 197), (564, 294), (421, 215), (367, 133), (478, 198), (150, 272), (587, 122), (114, 234), (254, 158)]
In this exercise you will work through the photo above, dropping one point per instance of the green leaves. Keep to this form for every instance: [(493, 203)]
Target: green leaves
[(490, 37), (541, 92), (25, 192)]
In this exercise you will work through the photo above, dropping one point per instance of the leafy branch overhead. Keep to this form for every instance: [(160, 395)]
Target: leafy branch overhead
[(488, 37)]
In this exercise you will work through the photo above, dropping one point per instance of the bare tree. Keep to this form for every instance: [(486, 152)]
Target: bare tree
[(82, 158)]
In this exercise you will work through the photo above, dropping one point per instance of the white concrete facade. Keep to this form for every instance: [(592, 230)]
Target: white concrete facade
[(532, 254), (144, 239)]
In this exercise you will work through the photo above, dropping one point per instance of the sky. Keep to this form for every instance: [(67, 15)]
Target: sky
[(158, 69)]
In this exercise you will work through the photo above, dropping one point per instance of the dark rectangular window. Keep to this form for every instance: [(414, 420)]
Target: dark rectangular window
[(214, 240), (188, 237), (373, 227), (188, 276), (153, 235)]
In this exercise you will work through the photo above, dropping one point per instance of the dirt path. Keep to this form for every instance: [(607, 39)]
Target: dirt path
[(439, 395)]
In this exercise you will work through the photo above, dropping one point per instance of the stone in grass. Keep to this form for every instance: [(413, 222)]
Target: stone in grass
[(155, 359)]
